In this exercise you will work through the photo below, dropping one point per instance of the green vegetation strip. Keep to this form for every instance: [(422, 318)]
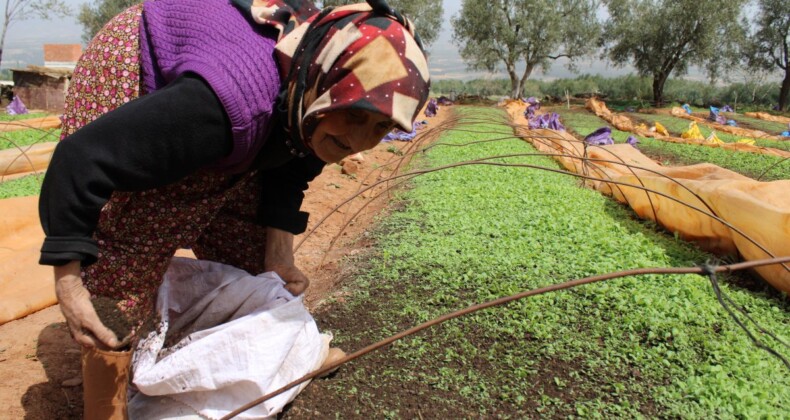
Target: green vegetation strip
[(770, 127), (634, 347), (676, 126), (753, 165), (31, 184), (11, 118), (21, 187), (21, 138)]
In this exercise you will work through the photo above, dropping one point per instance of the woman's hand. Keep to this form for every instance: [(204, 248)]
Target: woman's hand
[(280, 259), (81, 317), (295, 281)]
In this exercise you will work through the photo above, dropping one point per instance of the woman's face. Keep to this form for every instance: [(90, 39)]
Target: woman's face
[(343, 133)]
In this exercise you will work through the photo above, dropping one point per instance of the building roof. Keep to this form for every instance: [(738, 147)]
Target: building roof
[(47, 71)]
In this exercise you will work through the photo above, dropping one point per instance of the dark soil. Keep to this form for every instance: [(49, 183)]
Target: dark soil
[(362, 388), (383, 384), (112, 317)]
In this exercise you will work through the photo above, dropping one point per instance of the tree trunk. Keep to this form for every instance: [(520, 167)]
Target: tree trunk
[(784, 91), (658, 88), (523, 81), (514, 88), (2, 39)]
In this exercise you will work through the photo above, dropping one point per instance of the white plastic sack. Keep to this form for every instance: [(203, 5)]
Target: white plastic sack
[(244, 336)]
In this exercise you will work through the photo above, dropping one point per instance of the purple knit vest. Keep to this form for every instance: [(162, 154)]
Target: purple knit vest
[(236, 57)]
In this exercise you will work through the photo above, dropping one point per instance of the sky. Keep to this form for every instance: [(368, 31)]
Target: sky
[(24, 42)]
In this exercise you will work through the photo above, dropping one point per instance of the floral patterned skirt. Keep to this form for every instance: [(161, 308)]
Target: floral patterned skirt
[(139, 232)]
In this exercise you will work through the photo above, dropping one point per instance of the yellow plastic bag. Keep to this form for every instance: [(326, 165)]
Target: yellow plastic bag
[(746, 141), (660, 129), (693, 132), (713, 139)]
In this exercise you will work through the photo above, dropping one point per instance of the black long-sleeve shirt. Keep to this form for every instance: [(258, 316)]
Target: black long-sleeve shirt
[(150, 142)]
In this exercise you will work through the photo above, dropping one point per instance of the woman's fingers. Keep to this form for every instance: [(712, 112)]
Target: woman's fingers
[(79, 335), (104, 335), (75, 303), (295, 281), (297, 287), (85, 326)]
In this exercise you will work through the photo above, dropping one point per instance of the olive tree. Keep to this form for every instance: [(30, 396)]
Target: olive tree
[(664, 37), (95, 15), (535, 32), (16, 10), (426, 15), (768, 47)]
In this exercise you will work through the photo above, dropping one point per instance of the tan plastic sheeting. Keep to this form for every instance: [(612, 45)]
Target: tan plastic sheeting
[(25, 286), (27, 159), (761, 210), (42, 123), (624, 123), (768, 117)]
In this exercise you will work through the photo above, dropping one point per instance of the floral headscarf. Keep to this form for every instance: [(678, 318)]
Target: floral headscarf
[(348, 57)]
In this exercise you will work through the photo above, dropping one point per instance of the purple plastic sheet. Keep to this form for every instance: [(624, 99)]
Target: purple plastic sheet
[(550, 121), (633, 141), (727, 108), (532, 105), (600, 137), (16, 107), (431, 108), (554, 122), (533, 122), (401, 135), (533, 102), (715, 117), (529, 113)]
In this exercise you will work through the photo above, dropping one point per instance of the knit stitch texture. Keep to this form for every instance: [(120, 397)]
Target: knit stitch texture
[(236, 58)]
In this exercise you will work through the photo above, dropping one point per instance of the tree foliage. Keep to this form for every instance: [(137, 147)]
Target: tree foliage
[(631, 89), (662, 37), (769, 46), (426, 15), (16, 10), (535, 32), (94, 16)]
